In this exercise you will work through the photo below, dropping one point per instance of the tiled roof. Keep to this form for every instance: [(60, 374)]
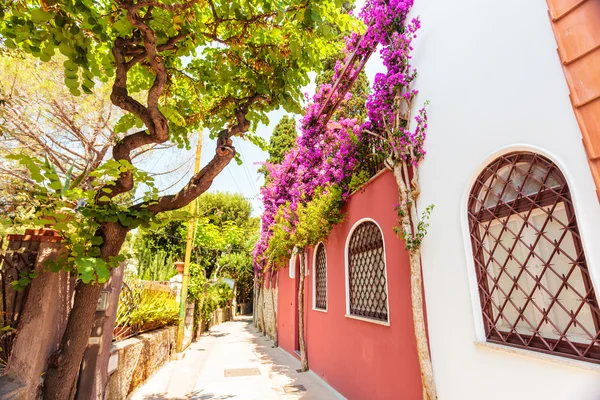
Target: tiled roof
[(576, 26)]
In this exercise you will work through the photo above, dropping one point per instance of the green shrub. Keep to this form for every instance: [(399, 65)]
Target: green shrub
[(156, 308), (141, 305)]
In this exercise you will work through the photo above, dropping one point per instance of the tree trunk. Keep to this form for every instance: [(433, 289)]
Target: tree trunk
[(275, 333), (301, 338), (416, 284), (263, 328), (63, 366), (255, 303)]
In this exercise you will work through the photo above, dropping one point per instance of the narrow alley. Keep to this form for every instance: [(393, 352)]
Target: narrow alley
[(234, 362)]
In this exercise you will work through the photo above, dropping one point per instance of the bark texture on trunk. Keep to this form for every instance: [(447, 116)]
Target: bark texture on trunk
[(301, 338), (63, 366), (408, 191), (416, 295), (275, 332)]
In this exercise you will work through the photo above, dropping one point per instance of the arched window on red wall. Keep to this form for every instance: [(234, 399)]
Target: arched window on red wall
[(320, 278), (533, 279), (367, 282)]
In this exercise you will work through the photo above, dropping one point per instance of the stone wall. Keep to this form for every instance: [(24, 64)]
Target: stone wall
[(137, 359), (218, 316), (266, 304)]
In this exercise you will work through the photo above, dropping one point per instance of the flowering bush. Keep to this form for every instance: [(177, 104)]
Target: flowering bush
[(322, 163)]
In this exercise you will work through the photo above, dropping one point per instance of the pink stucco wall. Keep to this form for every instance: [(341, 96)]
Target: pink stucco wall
[(360, 359)]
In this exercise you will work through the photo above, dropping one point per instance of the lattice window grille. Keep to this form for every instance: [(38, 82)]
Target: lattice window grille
[(533, 280), (320, 277), (366, 273)]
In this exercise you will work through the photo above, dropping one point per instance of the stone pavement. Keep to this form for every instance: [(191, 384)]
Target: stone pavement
[(233, 362)]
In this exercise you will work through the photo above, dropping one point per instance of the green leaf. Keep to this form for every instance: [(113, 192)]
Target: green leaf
[(88, 268), (65, 49), (67, 181), (61, 226), (39, 16), (55, 185)]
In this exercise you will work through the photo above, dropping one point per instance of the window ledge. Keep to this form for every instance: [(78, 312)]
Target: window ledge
[(564, 361), (373, 321), (319, 310)]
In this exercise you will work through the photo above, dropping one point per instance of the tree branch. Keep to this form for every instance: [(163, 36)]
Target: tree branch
[(201, 181)]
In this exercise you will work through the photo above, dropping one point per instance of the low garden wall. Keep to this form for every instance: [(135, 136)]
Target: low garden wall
[(136, 359), (244, 309), (218, 316)]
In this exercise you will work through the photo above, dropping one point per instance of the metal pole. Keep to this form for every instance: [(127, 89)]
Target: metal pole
[(188, 255)]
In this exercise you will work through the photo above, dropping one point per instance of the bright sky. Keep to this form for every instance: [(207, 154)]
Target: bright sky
[(243, 179)]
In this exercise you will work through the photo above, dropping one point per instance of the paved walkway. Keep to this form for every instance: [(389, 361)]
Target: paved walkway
[(233, 362)]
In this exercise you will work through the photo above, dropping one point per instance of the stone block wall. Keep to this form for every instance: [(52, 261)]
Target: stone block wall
[(266, 305), (138, 359)]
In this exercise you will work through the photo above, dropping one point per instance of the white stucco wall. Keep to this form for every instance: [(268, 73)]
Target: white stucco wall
[(492, 74)]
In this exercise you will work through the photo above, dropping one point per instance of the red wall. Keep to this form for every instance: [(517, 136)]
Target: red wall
[(360, 359)]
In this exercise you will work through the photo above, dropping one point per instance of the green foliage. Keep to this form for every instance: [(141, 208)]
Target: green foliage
[(215, 58), (158, 308), (207, 295), (223, 207), (152, 307), (315, 218), (167, 237), (197, 283), (411, 243), (155, 265), (282, 139), (359, 178), (76, 213), (217, 296), (25, 278), (267, 47)]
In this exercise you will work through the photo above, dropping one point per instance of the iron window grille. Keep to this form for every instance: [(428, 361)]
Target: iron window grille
[(532, 276), (320, 278), (366, 273)]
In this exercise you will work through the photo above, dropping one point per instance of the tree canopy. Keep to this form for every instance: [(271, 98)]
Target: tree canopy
[(175, 67)]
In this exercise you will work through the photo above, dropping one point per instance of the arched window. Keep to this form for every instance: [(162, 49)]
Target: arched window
[(367, 288), (320, 278), (532, 276)]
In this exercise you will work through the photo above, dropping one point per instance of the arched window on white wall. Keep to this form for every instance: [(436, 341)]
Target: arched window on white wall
[(320, 278), (532, 276), (366, 277)]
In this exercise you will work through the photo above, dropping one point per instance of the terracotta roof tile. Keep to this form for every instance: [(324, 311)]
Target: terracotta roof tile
[(576, 26)]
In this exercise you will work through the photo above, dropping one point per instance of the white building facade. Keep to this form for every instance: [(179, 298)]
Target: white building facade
[(493, 76)]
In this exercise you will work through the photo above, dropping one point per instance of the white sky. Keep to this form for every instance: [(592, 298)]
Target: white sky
[(235, 178)]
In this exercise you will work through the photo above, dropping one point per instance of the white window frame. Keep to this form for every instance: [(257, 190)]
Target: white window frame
[(347, 275), (292, 266), (314, 279)]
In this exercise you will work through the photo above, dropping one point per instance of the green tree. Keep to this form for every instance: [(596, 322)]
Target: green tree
[(224, 207), (282, 139), (175, 67)]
